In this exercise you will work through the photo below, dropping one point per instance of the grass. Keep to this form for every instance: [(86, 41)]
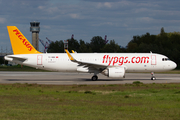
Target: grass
[(135, 101)]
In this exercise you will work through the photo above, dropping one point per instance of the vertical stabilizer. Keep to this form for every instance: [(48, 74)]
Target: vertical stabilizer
[(19, 43)]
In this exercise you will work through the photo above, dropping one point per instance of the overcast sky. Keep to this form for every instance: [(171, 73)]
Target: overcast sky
[(118, 19)]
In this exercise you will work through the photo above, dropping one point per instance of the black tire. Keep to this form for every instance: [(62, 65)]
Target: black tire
[(94, 78), (153, 78)]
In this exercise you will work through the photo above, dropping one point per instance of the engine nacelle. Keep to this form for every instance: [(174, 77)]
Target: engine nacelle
[(118, 72)]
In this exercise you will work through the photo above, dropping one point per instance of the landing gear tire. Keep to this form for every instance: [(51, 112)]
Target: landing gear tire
[(94, 78), (153, 78)]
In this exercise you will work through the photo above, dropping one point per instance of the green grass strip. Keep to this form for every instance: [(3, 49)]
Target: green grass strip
[(135, 101)]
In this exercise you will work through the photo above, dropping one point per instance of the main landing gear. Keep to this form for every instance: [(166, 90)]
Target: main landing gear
[(94, 78), (152, 76)]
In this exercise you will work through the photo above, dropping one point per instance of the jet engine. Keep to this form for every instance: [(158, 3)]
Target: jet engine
[(117, 72)]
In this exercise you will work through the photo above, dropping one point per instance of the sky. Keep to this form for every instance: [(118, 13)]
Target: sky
[(120, 20)]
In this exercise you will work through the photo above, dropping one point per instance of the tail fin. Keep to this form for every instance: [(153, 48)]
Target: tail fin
[(19, 43)]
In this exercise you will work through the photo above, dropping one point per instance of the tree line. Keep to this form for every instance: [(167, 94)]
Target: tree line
[(164, 43), (97, 44)]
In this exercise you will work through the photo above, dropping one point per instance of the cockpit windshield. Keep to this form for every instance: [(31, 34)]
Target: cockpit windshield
[(165, 59)]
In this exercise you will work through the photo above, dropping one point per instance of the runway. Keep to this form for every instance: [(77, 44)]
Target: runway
[(60, 78)]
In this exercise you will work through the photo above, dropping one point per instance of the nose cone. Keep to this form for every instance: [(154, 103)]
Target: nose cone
[(173, 65)]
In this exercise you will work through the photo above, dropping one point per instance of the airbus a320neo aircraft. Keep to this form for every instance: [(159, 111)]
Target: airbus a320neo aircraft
[(113, 65)]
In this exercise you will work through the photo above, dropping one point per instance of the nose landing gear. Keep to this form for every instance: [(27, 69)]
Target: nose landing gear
[(152, 76)]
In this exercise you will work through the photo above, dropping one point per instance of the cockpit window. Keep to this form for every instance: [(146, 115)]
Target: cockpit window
[(165, 59)]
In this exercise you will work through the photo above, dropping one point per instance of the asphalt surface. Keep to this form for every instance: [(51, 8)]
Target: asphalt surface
[(59, 78)]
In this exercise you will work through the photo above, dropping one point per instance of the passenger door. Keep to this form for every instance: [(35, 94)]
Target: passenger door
[(153, 59), (39, 60)]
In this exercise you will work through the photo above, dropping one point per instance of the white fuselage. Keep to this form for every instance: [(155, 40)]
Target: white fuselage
[(132, 62)]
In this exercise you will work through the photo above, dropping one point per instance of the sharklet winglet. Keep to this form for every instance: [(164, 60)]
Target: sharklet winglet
[(70, 56)]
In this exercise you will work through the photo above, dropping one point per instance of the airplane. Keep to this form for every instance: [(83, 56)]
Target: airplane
[(113, 65)]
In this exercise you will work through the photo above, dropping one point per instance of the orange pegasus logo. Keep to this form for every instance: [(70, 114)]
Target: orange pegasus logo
[(24, 40)]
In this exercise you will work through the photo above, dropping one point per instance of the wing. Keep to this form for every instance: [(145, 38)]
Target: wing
[(100, 67)]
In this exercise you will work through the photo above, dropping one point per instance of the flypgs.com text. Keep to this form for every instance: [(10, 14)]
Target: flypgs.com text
[(121, 60), (24, 41)]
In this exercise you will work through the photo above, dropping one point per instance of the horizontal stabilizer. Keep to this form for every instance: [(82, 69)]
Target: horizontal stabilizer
[(15, 58)]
